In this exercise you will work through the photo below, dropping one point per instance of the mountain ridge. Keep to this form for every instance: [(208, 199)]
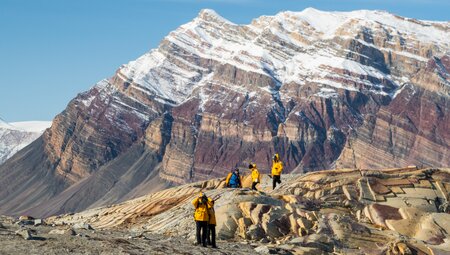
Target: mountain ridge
[(16, 135), (215, 95)]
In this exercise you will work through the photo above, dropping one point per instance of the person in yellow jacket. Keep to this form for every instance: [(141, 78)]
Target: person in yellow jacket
[(277, 168), (211, 233), (201, 217), (255, 175)]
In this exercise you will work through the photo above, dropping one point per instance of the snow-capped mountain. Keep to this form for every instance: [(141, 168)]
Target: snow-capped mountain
[(324, 89), (16, 135), (299, 47)]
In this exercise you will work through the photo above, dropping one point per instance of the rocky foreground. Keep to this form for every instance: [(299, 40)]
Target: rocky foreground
[(46, 239), (395, 211)]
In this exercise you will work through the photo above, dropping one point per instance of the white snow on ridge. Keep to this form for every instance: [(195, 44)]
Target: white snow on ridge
[(31, 126), (162, 77), (250, 48), (26, 126), (324, 22), (5, 125), (215, 15), (327, 93), (329, 22), (16, 135)]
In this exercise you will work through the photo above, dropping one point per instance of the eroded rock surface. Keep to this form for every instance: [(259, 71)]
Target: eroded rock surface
[(393, 211)]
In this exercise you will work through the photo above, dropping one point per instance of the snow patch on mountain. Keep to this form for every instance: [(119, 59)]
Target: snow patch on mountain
[(16, 135), (328, 23), (327, 93), (290, 47), (31, 126)]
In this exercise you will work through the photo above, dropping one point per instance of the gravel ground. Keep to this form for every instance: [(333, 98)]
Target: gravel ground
[(104, 242)]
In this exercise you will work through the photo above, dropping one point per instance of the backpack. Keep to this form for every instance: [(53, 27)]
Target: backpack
[(234, 179)]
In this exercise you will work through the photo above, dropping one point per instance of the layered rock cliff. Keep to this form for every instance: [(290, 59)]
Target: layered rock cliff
[(325, 90)]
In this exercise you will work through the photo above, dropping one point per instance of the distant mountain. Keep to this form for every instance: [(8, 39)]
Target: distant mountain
[(16, 135), (362, 89)]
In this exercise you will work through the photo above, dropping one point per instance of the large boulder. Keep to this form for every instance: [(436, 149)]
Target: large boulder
[(25, 233), (255, 232), (430, 228), (227, 221)]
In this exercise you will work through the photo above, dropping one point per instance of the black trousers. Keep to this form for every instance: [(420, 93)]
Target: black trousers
[(202, 228), (254, 185), (275, 179), (211, 239)]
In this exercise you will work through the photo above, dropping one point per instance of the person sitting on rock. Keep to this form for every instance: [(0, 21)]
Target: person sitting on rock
[(201, 218), (255, 175), (234, 179), (211, 232), (277, 167)]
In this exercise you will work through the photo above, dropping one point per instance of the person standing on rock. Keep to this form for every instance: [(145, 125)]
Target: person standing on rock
[(234, 179), (277, 168), (211, 233), (255, 175), (201, 217)]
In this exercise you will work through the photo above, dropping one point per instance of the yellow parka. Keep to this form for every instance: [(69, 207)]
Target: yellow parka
[(201, 209), (212, 213), (255, 175), (227, 180), (277, 165)]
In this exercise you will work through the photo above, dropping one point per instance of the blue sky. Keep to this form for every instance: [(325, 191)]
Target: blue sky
[(50, 50)]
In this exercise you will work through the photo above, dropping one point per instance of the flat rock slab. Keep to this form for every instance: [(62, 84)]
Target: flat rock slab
[(62, 232), (378, 188), (409, 202), (443, 220), (38, 222), (396, 182), (85, 226), (262, 249), (378, 214), (405, 226)]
